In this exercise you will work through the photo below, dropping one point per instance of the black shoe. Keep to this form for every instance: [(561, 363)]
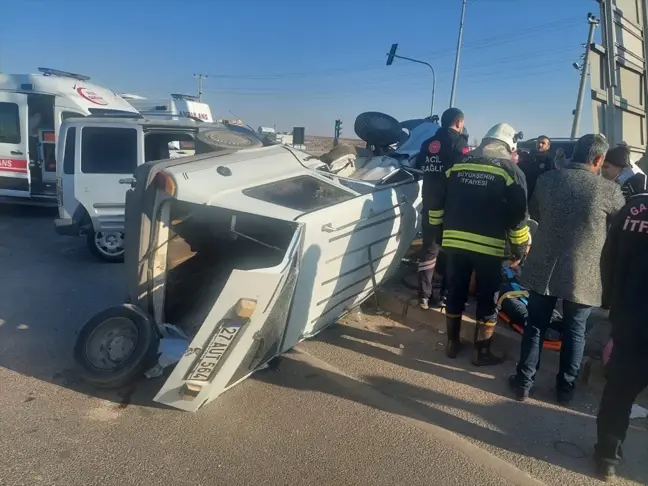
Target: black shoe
[(482, 356), (564, 398), (520, 393), (605, 472)]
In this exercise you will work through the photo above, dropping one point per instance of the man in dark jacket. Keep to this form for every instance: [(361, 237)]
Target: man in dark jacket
[(624, 275), (618, 168), (485, 211), (437, 155), (574, 207), (536, 163)]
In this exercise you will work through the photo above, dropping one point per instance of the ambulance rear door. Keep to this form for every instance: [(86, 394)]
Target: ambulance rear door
[(14, 144)]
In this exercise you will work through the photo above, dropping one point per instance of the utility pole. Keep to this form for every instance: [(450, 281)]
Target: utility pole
[(456, 68), (200, 84), (584, 71)]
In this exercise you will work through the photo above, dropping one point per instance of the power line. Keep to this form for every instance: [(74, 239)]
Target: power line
[(337, 94), (484, 43), (389, 81)]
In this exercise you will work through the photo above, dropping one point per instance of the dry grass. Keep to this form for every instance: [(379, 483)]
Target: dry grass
[(320, 145)]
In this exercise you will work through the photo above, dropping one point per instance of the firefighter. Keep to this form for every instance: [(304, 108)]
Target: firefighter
[(624, 276), (437, 155), (485, 213)]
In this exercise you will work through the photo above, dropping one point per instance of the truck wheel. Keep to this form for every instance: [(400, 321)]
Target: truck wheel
[(106, 246), (115, 346), (377, 129), (214, 140)]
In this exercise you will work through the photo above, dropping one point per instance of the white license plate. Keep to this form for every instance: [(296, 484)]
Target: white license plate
[(214, 353)]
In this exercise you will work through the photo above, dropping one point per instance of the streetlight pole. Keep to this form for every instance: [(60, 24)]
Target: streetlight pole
[(390, 59), (593, 22), (456, 68)]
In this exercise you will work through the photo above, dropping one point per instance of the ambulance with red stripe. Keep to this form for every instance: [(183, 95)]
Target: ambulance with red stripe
[(32, 107)]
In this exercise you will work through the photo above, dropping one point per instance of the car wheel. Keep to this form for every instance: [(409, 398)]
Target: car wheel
[(106, 245), (115, 346), (214, 140), (377, 129)]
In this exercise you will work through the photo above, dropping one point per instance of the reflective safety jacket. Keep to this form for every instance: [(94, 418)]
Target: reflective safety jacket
[(437, 155), (485, 205)]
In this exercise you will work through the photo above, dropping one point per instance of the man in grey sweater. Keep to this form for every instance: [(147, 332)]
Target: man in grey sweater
[(574, 206)]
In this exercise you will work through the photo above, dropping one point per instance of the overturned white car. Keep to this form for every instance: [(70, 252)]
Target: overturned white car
[(246, 253)]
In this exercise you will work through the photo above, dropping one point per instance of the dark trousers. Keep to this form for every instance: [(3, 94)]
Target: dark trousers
[(575, 316), (431, 261), (488, 273), (627, 376)]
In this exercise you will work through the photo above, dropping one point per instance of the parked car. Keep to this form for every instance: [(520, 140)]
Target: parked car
[(246, 253)]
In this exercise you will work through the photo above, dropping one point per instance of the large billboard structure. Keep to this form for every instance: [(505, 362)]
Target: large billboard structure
[(618, 74)]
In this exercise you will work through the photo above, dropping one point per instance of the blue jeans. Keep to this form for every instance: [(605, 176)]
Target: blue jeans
[(573, 341)]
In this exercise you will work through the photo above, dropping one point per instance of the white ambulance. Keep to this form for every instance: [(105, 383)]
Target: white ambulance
[(186, 106), (32, 107)]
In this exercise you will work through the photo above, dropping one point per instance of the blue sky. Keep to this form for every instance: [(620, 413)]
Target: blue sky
[(307, 62)]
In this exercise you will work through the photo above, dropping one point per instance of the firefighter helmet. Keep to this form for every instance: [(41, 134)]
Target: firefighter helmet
[(505, 133)]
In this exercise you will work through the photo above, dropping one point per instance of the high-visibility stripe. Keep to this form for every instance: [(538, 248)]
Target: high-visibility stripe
[(519, 232), (474, 247), (487, 323), (519, 236), (464, 235), (481, 168), (435, 216), (512, 294)]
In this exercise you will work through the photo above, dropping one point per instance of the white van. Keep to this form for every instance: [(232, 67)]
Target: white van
[(97, 157), (32, 107)]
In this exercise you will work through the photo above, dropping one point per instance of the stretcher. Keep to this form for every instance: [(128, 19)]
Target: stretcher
[(512, 303)]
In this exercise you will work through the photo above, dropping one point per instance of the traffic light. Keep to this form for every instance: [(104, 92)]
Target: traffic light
[(392, 53), (338, 128)]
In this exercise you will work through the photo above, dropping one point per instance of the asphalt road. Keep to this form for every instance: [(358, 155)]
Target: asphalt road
[(369, 402)]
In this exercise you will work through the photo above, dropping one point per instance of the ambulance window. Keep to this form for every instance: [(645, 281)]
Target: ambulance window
[(108, 150), (68, 157), (9, 123)]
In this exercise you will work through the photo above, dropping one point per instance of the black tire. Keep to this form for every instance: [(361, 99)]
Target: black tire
[(214, 140), (91, 240), (377, 129), (115, 373)]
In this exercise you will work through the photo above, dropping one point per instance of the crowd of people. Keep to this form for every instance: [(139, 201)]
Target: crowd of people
[(589, 249)]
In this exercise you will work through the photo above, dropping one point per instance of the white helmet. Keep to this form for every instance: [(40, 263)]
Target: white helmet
[(505, 133)]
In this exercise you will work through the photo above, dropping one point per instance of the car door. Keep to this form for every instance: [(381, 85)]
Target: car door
[(14, 145), (349, 249), (243, 331), (108, 153)]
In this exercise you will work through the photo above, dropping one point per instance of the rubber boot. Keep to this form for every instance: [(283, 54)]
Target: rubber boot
[(482, 355), (453, 328)]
